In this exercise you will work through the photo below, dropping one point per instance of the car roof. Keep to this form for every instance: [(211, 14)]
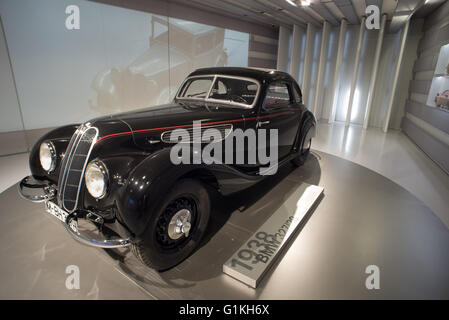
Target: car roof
[(255, 73)]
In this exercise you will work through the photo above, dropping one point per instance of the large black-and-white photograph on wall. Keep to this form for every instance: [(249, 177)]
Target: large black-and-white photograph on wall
[(120, 61)]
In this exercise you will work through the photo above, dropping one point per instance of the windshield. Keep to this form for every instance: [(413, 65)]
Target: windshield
[(223, 89)]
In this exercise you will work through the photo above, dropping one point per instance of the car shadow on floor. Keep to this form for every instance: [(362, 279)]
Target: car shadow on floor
[(243, 201), (233, 219)]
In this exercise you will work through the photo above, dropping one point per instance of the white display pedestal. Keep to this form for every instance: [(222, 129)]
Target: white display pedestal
[(252, 260)]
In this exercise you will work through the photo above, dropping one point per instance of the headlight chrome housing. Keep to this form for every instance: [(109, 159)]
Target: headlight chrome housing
[(47, 156), (96, 179)]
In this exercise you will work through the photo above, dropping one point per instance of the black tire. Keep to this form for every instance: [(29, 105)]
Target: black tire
[(156, 248), (304, 146)]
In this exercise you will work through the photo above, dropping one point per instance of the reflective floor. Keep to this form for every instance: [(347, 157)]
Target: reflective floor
[(394, 156), (363, 219)]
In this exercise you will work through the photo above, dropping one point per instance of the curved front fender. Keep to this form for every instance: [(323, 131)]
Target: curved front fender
[(146, 187)]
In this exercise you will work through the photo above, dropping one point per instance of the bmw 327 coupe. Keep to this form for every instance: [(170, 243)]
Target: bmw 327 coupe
[(113, 181)]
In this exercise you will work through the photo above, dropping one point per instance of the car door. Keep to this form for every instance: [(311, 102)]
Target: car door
[(280, 111)]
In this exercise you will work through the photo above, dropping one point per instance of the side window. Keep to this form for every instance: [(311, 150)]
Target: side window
[(277, 96), (197, 87), (234, 90)]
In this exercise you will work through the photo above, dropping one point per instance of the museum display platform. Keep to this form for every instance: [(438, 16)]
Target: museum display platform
[(361, 219)]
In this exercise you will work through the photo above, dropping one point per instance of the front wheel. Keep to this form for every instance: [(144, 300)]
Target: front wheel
[(304, 146), (177, 226)]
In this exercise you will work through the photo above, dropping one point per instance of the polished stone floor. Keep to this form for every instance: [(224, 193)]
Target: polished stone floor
[(363, 219), (394, 156)]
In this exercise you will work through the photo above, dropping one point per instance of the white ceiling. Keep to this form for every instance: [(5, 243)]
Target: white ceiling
[(281, 12)]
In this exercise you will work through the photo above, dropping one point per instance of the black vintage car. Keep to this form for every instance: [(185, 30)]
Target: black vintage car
[(113, 183)]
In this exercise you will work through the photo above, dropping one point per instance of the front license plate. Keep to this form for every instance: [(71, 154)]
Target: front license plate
[(56, 211)]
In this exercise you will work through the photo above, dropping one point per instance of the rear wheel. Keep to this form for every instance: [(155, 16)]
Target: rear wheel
[(178, 225), (304, 146)]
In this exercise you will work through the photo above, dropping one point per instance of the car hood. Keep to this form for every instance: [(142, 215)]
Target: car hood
[(146, 125)]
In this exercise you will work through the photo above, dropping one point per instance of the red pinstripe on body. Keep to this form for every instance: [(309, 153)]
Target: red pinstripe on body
[(188, 126)]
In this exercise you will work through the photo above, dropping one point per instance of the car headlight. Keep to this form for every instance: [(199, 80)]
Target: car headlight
[(47, 156), (96, 179)]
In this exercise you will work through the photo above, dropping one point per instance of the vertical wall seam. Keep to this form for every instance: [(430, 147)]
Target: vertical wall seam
[(340, 48), (15, 86), (355, 72), (374, 72), (396, 76)]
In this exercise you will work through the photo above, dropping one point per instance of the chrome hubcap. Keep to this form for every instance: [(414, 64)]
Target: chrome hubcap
[(180, 224)]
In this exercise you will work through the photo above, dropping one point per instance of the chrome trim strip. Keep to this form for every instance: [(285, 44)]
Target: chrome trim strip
[(85, 164), (112, 243), (214, 78), (227, 130), (65, 161), (210, 89), (68, 166)]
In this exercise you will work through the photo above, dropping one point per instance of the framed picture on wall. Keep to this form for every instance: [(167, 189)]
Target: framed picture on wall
[(439, 89)]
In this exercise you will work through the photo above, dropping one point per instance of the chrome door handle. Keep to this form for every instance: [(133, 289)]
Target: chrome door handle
[(261, 123)]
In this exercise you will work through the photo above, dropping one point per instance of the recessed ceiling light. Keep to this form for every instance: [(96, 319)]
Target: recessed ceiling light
[(304, 3)]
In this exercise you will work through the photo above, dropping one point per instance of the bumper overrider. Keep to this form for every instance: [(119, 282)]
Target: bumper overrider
[(83, 225)]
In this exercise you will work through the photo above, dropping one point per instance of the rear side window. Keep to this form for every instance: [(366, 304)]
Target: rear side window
[(277, 96)]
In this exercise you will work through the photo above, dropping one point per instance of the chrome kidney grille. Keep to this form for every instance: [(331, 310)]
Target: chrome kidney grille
[(73, 166)]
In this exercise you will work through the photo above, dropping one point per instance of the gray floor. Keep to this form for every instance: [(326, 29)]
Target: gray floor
[(393, 155), (362, 219)]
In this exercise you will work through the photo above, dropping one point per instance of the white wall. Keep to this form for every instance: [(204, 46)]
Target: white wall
[(331, 59), (9, 105), (384, 77), (315, 47)]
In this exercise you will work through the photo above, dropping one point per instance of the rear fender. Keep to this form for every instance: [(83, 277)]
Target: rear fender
[(307, 117)]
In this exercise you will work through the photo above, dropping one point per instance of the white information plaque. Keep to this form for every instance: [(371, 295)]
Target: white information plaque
[(251, 261)]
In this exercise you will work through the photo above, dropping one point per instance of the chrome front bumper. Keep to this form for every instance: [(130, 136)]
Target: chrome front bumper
[(72, 226), (36, 191), (41, 191)]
